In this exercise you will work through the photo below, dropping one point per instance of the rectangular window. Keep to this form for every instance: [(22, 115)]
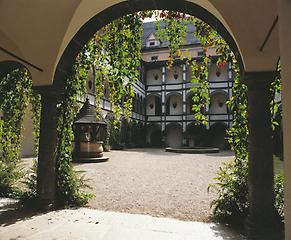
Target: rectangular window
[(200, 53), (155, 58), (152, 43)]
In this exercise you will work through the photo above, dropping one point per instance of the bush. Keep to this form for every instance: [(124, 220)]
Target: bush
[(9, 175), (279, 194), (232, 187), (28, 198)]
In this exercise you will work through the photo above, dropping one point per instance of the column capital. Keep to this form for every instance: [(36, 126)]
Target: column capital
[(259, 80)]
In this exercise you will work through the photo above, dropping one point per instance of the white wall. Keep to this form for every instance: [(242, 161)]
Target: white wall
[(27, 138), (150, 76), (175, 99), (171, 72), (212, 77), (150, 111), (215, 100), (174, 136)]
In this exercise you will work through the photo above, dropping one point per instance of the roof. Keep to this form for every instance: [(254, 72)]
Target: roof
[(149, 29), (87, 115)]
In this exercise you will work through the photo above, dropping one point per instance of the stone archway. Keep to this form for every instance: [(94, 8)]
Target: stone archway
[(154, 104), (174, 135), (218, 101), (154, 135), (174, 103), (118, 10), (218, 135), (197, 135), (258, 79), (253, 80)]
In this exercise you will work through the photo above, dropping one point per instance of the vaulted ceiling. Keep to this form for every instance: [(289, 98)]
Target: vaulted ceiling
[(36, 33)]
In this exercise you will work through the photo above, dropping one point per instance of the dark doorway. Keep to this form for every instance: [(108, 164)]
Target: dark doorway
[(156, 138)]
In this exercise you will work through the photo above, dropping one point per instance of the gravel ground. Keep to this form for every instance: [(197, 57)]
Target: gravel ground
[(154, 182)]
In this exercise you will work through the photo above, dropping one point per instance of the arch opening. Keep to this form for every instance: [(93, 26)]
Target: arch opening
[(116, 11), (174, 104), (217, 133), (174, 135)]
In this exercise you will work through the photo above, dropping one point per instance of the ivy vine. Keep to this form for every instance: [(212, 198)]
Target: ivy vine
[(14, 90), (231, 181), (115, 53), (118, 52)]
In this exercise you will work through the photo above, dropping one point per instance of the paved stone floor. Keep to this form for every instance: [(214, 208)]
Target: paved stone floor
[(154, 182), (85, 224), (140, 194)]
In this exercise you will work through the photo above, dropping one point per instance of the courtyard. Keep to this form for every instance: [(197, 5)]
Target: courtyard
[(154, 182), (228, 86), (139, 194)]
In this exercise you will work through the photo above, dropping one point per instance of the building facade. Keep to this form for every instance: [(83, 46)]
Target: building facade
[(163, 100), (163, 97)]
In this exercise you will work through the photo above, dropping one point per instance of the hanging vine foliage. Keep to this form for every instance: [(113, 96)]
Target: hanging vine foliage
[(231, 181), (70, 185), (200, 89), (276, 89), (118, 55), (14, 90), (35, 101), (172, 28), (115, 52)]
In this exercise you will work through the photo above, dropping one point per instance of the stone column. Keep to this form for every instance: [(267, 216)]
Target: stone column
[(284, 10), (163, 93), (262, 220), (184, 106), (46, 167)]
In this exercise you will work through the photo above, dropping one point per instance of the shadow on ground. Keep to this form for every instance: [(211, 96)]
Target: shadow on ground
[(12, 212), (162, 152), (148, 151), (226, 233), (221, 154)]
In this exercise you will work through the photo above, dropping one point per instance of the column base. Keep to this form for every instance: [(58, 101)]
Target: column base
[(44, 205), (265, 228)]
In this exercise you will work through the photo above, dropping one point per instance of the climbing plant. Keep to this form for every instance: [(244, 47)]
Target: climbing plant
[(70, 185), (276, 89), (231, 181), (28, 196), (35, 101), (172, 28), (118, 52), (114, 52), (14, 88)]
